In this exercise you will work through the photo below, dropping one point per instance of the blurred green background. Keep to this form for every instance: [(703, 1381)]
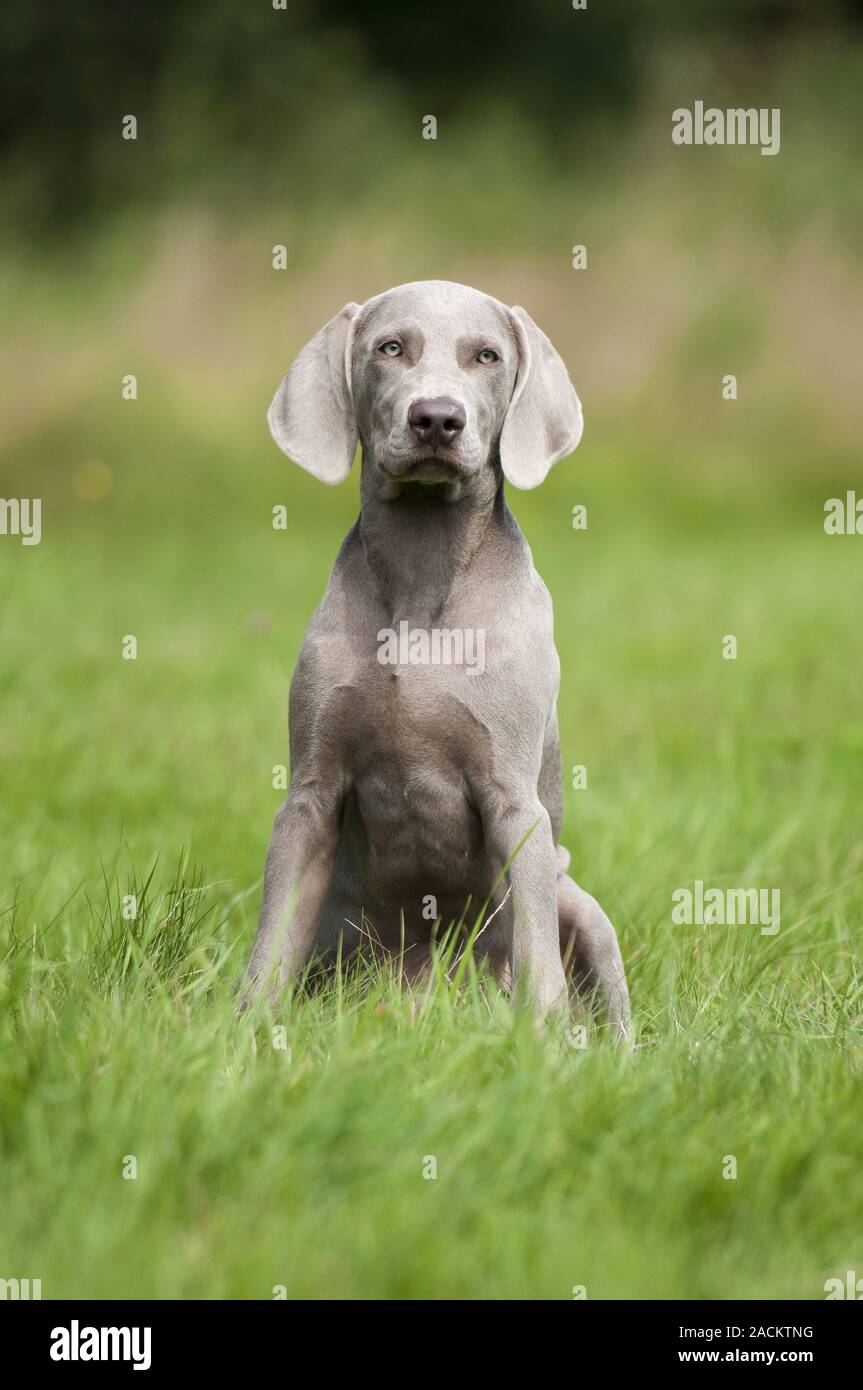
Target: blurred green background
[(259, 127)]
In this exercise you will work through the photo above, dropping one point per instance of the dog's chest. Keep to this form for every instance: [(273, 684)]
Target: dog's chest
[(412, 751), (408, 720)]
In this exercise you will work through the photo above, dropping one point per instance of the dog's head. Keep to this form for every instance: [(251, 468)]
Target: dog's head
[(438, 382)]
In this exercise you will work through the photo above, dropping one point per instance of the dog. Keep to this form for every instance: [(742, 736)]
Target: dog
[(420, 785)]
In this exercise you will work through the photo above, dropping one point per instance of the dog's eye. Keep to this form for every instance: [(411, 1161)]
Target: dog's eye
[(391, 349), (487, 356)]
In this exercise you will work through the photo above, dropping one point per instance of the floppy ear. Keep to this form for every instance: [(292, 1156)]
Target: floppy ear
[(543, 423), (312, 414)]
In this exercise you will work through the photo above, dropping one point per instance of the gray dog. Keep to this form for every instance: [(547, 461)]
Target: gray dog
[(423, 722)]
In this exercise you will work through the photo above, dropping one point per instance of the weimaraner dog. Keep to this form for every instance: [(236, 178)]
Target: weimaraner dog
[(425, 757)]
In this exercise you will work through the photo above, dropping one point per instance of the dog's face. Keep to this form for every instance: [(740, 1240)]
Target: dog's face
[(438, 381), (431, 380)]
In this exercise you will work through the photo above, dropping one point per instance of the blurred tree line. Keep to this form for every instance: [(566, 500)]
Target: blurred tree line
[(237, 93)]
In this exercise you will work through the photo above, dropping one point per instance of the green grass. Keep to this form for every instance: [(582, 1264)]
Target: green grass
[(260, 1167)]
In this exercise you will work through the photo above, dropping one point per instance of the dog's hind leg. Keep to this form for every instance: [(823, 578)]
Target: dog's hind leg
[(591, 955)]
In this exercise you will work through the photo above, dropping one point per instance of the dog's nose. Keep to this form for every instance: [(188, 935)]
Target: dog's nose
[(437, 421)]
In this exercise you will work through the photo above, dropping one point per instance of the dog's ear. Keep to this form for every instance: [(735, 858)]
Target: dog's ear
[(543, 422), (312, 414)]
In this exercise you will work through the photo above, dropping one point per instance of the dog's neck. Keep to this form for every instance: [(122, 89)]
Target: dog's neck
[(419, 540)]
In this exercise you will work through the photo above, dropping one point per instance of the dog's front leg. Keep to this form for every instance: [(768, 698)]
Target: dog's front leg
[(523, 838), (299, 865)]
